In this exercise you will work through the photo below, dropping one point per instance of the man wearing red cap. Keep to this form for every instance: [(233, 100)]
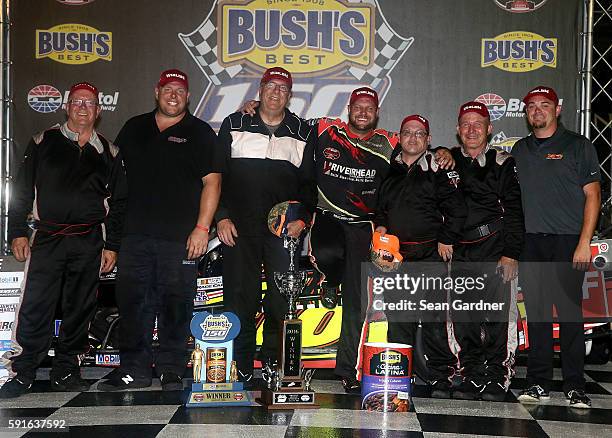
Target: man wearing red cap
[(561, 193), (423, 206), (489, 249), (270, 159), (73, 183), (173, 165)]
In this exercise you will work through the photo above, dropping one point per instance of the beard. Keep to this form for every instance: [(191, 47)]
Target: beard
[(369, 127)]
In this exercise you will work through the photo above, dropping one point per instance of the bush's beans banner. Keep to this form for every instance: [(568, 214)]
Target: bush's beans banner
[(424, 57)]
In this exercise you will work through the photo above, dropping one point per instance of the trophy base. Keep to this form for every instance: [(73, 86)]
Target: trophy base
[(208, 395), (288, 399)]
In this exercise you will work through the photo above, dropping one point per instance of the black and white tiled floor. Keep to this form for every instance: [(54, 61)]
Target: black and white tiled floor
[(151, 412)]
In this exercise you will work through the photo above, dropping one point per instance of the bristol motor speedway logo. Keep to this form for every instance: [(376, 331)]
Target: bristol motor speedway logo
[(519, 51), (48, 99), (330, 46), (520, 6), (498, 106)]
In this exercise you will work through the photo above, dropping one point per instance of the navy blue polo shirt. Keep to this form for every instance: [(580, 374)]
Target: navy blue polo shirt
[(164, 174), (552, 175)]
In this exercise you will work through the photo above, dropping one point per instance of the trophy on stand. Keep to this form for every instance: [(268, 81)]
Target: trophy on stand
[(288, 385)]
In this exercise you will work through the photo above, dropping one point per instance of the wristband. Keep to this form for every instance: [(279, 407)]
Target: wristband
[(200, 227)]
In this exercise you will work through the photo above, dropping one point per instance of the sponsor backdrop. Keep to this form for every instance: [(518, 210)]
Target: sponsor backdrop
[(421, 56)]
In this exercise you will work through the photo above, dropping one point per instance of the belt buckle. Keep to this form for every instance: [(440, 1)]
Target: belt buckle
[(483, 230)]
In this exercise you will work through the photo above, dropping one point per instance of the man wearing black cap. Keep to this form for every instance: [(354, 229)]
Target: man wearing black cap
[(423, 206), (561, 193), (72, 182), (489, 249), (270, 159), (173, 165)]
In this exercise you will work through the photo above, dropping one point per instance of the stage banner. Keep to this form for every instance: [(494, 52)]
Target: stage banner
[(424, 57)]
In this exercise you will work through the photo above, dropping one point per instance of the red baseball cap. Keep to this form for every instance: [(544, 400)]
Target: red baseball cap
[(364, 92), (542, 90), (173, 75), (277, 73), (473, 107), (419, 118), (84, 86)]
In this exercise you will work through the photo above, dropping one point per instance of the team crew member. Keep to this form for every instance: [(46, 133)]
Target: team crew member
[(422, 205), (493, 234), (73, 182), (561, 193), (173, 167), (270, 158)]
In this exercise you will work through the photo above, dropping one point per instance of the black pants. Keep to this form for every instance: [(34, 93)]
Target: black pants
[(242, 293), (554, 281), (154, 279), (338, 249), (487, 342), (402, 329), (64, 270)]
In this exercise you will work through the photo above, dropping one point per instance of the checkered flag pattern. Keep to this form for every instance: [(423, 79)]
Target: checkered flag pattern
[(202, 44), (498, 138), (389, 48)]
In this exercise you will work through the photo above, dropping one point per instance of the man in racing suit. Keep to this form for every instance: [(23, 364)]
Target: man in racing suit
[(72, 181), (270, 159), (489, 248), (423, 206)]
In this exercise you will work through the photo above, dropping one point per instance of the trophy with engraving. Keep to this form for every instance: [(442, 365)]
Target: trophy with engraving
[(288, 384)]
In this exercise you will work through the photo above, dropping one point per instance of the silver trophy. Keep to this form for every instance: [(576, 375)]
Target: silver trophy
[(291, 282)]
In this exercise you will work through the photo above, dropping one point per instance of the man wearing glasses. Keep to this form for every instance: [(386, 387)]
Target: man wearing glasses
[(72, 181), (270, 159)]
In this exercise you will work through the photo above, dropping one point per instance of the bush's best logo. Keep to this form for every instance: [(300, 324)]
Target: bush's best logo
[(73, 44), (307, 40), (215, 328), (520, 6), (327, 45), (519, 52)]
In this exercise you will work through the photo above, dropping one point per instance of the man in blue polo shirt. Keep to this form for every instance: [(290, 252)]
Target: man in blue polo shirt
[(561, 194)]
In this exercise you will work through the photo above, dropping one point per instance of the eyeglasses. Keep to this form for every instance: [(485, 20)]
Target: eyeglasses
[(272, 86), (80, 102), (417, 134)]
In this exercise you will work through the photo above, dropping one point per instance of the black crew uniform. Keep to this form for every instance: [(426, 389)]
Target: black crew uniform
[(77, 199), (155, 278), (494, 228), (553, 172), (266, 166), (422, 205), (349, 173)]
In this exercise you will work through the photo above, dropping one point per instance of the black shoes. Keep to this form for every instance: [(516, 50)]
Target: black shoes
[(69, 382), (123, 381), (351, 385), (440, 389), (578, 399), (329, 297), (494, 391), (533, 394), (171, 382), (468, 390), (16, 387)]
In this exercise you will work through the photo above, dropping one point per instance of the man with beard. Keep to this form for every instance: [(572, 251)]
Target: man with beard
[(423, 206), (561, 194), (270, 159), (72, 181), (351, 161), (173, 166), (489, 249)]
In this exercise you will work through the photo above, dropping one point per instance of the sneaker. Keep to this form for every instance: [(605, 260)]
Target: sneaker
[(329, 297), (15, 387), (351, 385), (69, 382), (468, 390), (494, 391), (578, 399), (171, 382), (440, 389), (533, 394), (123, 381)]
